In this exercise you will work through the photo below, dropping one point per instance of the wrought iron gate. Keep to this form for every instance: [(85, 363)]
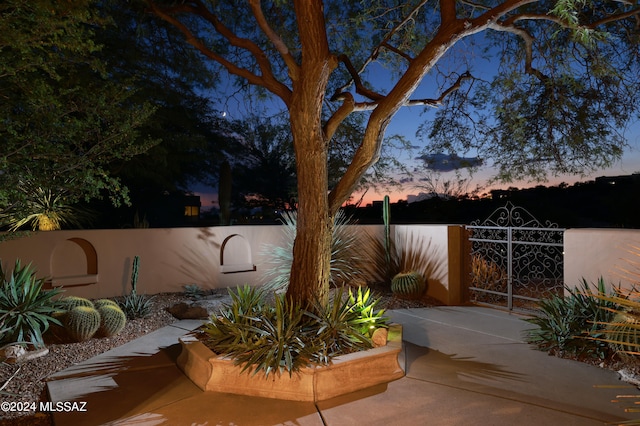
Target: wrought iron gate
[(515, 259)]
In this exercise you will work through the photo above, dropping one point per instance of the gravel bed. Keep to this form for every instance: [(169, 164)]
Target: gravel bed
[(28, 385)]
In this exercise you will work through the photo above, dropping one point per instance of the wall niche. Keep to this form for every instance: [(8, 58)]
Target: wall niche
[(74, 262)]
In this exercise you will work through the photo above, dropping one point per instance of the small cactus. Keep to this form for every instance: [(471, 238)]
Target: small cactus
[(112, 320), (623, 334), (134, 274), (82, 322), (103, 302), (408, 284), (70, 302)]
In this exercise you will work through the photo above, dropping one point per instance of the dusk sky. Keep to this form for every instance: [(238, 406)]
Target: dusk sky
[(406, 123)]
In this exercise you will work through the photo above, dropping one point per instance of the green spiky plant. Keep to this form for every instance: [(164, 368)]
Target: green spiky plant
[(278, 336), (25, 308), (193, 291), (45, 209), (576, 323), (346, 262), (82, 322)]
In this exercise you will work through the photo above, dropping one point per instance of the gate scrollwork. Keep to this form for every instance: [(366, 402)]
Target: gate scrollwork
[(516, 259)]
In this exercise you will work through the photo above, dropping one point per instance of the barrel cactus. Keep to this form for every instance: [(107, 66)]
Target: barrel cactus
[(623, 335), (408, 284), (112, 320), (82, 322), (70, 302), (103, 302)]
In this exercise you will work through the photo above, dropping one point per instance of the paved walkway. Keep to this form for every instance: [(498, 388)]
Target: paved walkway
[(464, 366)]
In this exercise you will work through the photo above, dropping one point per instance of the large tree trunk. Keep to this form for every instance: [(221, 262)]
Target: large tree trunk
[(310, 269), (309, 280)]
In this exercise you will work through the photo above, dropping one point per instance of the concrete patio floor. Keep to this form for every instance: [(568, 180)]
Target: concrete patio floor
[(464, 366)]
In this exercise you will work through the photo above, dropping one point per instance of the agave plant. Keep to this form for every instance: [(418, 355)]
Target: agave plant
[(26, 310), (345, 260), (346, 324), (575, 323)]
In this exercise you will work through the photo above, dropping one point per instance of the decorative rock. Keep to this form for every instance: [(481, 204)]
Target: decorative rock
[(16, 354), (379, 337), (13, 352), (184, 311)]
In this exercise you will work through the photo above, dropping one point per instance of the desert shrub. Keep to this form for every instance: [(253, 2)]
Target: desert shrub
[(487, 275), (193, 291), (279, 336), (574, 324), (26, 310)]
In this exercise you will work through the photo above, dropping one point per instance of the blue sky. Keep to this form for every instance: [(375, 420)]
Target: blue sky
[(408, 119)]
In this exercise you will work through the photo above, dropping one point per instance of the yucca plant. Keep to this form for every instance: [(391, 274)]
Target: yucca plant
[(25, 308), (621, 329), (261, 336), (44, 209), (346, 261)]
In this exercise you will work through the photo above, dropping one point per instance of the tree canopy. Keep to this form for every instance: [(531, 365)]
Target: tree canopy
[(63, 118), (566, 72), (91, 109)]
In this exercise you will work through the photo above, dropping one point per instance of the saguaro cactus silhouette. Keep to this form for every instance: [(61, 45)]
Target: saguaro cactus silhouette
[(224, 193)]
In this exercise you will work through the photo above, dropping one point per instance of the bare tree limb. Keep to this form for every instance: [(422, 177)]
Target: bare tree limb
[(266, 80), (384, 43), (438, 101), (278, 43), (338, 116), (355, 76)]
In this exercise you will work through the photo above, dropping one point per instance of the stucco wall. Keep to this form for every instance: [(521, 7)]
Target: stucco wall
[(608, 253), (169, 258), (97, 263)]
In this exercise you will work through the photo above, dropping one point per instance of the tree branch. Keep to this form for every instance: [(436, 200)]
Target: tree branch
[(278, 43), (376, 51), (528, 46), (355, 77), (347, 107), (266, 80), (438, 101)]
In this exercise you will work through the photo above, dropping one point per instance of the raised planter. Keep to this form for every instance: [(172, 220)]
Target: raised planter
[(347, 373)]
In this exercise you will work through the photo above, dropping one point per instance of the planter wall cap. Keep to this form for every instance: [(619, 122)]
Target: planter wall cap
[(347, 373)]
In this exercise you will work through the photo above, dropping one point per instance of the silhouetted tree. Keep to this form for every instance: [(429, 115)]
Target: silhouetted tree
[(557, 97)]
